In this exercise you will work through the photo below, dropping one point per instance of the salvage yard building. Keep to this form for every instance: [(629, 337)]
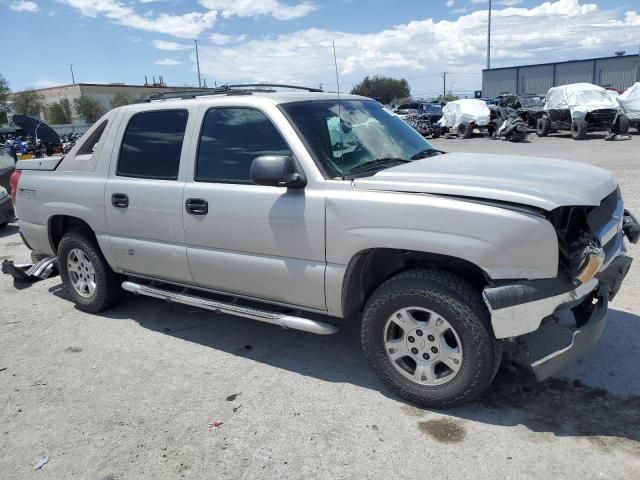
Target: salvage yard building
[(618, 72)]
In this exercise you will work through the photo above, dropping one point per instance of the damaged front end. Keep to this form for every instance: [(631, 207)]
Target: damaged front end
[(592, 265)]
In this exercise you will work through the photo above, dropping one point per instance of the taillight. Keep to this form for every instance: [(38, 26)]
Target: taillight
[(13, 183)]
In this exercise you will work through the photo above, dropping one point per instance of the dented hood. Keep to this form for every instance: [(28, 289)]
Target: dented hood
[(545, 183)]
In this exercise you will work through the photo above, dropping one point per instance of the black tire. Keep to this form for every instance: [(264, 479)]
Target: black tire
[(621, 126), (518, 136), (579, 129), (452, 298), (108, 291), (464, 130), (543, 127)]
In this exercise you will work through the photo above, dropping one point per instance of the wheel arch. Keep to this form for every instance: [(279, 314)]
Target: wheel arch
[(58, 225), (370, 268)]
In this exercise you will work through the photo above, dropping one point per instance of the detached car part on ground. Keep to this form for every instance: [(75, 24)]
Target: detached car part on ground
[(326, 210), (629, 101), (464, 116), (581, 108)]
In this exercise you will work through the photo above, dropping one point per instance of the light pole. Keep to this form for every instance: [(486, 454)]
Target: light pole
[(489, 39), (73, 79), (198, 64)]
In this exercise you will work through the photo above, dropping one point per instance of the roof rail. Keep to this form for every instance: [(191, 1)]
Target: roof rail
[(239, 89), (274, 85)]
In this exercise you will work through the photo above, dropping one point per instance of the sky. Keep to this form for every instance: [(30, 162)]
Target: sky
[(290, 41)]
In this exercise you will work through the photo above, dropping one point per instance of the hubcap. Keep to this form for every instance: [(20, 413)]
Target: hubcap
[(423, 346), (81, 273)]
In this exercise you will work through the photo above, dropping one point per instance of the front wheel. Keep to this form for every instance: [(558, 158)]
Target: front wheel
[(464, 130), (579, 129), (86, 274), (426, 333)]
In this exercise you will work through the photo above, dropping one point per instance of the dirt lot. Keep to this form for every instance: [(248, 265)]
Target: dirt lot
[(130, 393)]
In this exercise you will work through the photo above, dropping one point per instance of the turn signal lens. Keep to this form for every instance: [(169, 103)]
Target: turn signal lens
[(591, 267)]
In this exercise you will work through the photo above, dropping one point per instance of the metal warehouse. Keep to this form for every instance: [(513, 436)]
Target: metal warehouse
[(619, 72)]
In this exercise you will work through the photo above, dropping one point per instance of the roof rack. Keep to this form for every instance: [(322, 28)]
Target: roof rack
[(239, 89)]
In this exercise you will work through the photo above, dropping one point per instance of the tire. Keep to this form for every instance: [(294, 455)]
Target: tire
[(621, 126), (447, 297), (543, 127), (518, 136), (464, 130), (107, 290), (579, 129)]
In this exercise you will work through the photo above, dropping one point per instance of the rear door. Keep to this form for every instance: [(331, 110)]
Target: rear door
[(143, 196), (256, 241)]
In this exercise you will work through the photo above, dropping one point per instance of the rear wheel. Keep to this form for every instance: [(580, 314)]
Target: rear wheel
[(86, 274), (543, 127), (426, 334), (579, 129), (464, 130)]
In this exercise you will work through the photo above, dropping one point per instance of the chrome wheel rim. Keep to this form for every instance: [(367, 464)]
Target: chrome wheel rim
[(81, 273), (423, 346)]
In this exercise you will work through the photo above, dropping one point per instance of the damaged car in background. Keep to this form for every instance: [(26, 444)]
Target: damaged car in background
[(463, 117), (581, 108), (310, 210), (629, 101)]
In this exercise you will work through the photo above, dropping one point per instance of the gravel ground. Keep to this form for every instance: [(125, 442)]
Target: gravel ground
[(130, 393)]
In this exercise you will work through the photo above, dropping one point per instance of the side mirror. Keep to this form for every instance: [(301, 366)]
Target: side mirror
[(276, 171)]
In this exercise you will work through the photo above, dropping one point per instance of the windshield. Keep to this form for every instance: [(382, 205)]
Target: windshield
[(367, 133), (432, 108), (530, 102)]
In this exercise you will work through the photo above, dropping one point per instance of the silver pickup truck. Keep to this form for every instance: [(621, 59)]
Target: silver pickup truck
[(308, 210)]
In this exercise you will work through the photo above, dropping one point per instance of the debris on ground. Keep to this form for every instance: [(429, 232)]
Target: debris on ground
[(235, 409), (40, 462), (215, 424), (233, 396), (616, 137), (31, 272)]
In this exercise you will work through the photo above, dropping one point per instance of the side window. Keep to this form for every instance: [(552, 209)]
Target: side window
[(152, 145), (230, 139), (89, 144)]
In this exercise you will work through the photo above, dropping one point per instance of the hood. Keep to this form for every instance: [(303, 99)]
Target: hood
[(545, 183)]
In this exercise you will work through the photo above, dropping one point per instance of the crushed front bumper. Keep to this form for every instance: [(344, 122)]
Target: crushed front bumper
[(519, 309)]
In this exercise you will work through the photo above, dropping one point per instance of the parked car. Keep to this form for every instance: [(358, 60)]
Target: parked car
[(464, 116), (629, 101), (7, 165), (581, 108), (310, 210), (531, 108), (6, 208)]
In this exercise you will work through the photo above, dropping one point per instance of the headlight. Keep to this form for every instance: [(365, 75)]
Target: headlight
[(591, 265), (3, 193)]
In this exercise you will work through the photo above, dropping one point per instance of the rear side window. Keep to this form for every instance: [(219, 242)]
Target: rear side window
[(230, 140), (152, 145), (90, 143)]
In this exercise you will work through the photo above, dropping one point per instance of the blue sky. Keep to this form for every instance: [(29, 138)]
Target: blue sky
[(290, 40)]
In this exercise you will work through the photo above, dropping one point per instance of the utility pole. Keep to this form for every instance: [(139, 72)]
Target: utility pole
[(444, 85), (73, 79), (489, 39), (198, 65)]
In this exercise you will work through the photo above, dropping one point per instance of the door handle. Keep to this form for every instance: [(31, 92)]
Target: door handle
[(120, 200), (196, 206)]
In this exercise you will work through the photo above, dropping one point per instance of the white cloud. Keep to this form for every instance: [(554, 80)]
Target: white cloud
[(222, 39), (170, 46), (24, 6), (168, 62), (187, 25), (450, 3), (559, 30), (256, 8)]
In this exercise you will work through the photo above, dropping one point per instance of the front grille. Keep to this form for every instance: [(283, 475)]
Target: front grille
[(599, 216)]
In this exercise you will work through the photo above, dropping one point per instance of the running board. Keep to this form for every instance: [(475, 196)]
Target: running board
[(285, 321)]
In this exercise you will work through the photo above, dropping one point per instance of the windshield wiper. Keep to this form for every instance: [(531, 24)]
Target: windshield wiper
[(429, 152), (378, 162)]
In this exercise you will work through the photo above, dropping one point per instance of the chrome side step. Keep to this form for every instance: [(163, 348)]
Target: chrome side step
[(285, 321)]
